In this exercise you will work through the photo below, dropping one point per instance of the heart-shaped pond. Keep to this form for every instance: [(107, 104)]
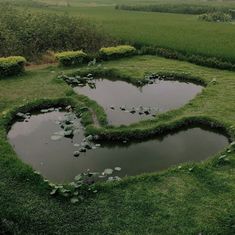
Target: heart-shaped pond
[(40, 141), (125, 103)]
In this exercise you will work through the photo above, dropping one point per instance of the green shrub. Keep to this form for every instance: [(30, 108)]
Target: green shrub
[(71, 58), (11, 65), (107, 53), (32, 33), (216, 17)]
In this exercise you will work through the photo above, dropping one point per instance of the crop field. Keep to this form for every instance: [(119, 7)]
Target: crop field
[(116, 122), (184, 33)]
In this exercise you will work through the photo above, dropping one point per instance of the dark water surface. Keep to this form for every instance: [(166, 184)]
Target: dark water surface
[(54, 159), (160, 97)]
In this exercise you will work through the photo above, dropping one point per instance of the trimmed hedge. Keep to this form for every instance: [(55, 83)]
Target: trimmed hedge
[(71, 58), (108, 53), (12, 65)]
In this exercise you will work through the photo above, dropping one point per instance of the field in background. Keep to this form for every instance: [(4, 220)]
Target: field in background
[(184, 33)]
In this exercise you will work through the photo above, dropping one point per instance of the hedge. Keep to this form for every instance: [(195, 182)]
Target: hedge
[(13, 65), (107, 53), (71, 58), (212, 62)]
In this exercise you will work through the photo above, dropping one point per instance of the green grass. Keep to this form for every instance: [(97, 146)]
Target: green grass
[(176, 201), (184, 33)]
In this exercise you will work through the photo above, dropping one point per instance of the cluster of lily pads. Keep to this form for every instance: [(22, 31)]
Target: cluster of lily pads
[(83, 184), (70, 126), (151, 78), (79, 80), (26, 116), (86, 145), (23, 116), (137, 110), (89, 79)]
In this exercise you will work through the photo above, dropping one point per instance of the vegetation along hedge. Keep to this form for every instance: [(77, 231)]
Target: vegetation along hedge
[(176, 8), (107, 53), (212, 62), (71, 58), (11, 65)]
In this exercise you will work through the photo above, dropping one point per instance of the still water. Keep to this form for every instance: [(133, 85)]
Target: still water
[(158, 97), (33, 142)]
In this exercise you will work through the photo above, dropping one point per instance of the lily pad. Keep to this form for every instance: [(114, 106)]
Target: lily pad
[(117, 168), (74, 200), (82, 150), (108, 171), (89, 137), (21, 115), (87, 146), (76, 153), (68, 133), (54, 191), (44, 110), (56, 137), (78, 177)]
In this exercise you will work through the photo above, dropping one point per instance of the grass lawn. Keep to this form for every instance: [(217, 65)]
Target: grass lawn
[(176, 201)]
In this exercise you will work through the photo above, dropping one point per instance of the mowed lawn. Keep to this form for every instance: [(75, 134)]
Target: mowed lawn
[(176, 201)]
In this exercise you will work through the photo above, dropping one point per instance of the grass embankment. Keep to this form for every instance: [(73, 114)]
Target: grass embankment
[(176, 201)]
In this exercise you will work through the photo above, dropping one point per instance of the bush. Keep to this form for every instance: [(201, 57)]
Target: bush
[(32, 33), (71, 58), (216, 17), (13, 65), (116, 52)]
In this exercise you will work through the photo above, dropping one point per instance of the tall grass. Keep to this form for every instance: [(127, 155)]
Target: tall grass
[(31, 33)]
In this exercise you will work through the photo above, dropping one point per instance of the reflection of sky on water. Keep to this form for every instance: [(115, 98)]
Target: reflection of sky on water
[(55, 160)]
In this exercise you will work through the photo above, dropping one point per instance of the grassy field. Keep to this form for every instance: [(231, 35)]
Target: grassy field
[(184, 33), (176, 201)]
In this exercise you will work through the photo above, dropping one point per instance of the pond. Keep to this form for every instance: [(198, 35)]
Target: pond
[(39, 142), (125, 103)]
